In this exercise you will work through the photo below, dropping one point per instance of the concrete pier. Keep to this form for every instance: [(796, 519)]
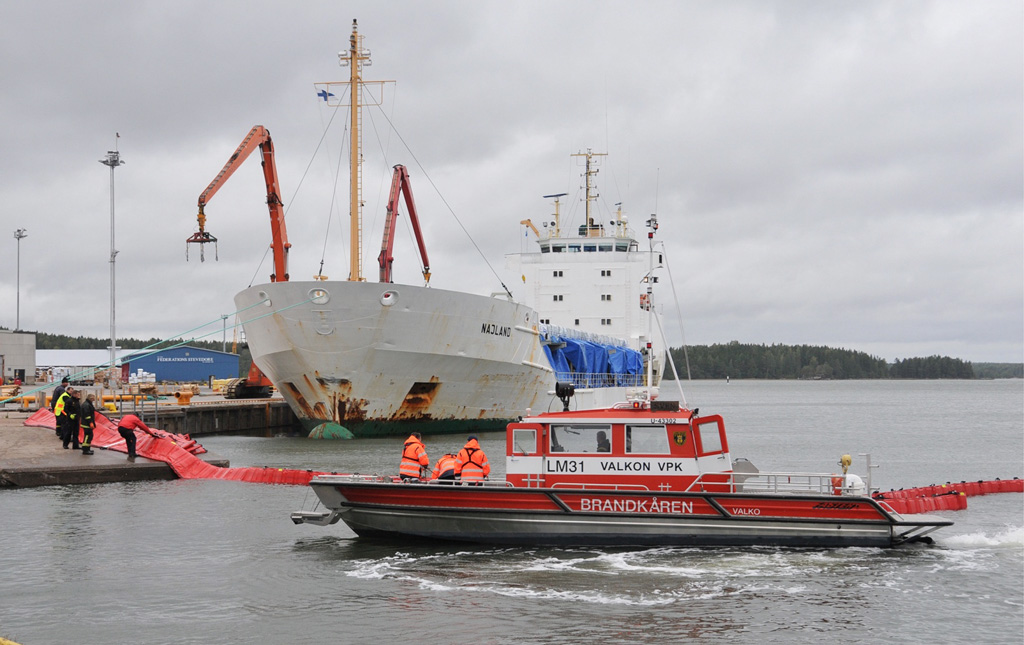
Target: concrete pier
[(34, 457)]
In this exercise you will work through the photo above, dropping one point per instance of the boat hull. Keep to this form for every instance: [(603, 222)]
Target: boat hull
[(560, 517)]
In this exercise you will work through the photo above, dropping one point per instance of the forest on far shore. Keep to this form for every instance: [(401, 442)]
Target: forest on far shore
[(741, 360), (719, 361)]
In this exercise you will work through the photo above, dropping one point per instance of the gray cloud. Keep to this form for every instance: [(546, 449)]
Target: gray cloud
[(849, 174)]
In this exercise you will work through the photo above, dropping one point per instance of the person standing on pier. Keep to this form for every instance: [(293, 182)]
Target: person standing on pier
[(55, 401), (72, 411), (60, 414), (471, 465), (126, 427), (414, 458), (88, 416)]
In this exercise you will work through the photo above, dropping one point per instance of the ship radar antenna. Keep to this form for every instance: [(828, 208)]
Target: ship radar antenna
[(557, 224)]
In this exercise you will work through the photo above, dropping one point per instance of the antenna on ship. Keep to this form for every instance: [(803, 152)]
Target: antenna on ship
[(588, 174), (355, 58), (557, 224)]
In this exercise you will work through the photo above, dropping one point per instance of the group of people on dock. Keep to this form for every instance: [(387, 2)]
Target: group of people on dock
[(469, 465), (76, 417)]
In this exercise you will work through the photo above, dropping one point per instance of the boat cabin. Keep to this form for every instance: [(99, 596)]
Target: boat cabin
[(637, 445)]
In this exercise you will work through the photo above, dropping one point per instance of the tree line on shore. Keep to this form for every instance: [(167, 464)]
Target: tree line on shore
[(718, 361), (743, 360)]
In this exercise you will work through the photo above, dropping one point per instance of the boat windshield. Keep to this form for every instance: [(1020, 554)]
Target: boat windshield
[(524, 441), (649, 440), (580, 438)]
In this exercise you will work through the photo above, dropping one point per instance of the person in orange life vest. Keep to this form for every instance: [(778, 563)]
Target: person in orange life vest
[(126, 427), (444, 469), (414, 458), (471, 464)]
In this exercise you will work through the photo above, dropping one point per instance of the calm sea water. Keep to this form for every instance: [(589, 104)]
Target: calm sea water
[(220, 562)]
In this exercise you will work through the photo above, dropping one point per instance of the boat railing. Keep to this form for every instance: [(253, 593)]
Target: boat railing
[(781, 483), (585, 380)]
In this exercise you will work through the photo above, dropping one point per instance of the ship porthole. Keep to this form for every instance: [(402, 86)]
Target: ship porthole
[(319, 296), (265, 298), (388, 298)]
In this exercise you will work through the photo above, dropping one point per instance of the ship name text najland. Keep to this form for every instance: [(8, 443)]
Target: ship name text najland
[(496, 330)]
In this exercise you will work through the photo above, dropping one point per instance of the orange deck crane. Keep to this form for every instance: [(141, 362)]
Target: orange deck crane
[(255, 384), (400, 185), (257, 137)]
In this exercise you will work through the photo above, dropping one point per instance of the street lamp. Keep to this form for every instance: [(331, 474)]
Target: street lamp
[(113, 160), (224, 342), (18, 235)]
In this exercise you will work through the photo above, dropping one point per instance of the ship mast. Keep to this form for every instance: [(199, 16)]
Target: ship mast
[(589, 173), (355, 58)]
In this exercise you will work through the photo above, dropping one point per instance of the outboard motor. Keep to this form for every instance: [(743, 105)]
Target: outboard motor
[(564, 391)]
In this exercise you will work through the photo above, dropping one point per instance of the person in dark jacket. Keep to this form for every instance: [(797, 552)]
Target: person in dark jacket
[(72, 412), (88, 423), (57, 391)]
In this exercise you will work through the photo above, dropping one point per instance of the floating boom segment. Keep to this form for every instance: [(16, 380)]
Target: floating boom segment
[(258, 137)]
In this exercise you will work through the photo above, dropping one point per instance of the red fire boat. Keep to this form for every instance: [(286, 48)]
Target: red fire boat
[(644, 472)]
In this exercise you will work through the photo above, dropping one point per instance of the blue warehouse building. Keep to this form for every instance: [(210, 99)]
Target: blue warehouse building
[(185, 363)]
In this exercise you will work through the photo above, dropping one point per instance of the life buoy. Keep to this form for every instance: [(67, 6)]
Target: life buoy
[(837, 484)]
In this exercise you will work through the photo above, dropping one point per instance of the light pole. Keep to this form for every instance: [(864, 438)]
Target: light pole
[(224, 342), (18, 235), (113, 160)]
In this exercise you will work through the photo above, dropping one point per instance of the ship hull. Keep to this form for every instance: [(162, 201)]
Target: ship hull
[(387, 359), (505, 515)]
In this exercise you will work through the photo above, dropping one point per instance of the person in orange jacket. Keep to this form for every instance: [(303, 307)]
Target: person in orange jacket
[(444, 469), (471, 464), (414, 458)]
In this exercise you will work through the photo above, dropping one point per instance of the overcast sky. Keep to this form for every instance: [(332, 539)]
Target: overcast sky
[(840, 173)]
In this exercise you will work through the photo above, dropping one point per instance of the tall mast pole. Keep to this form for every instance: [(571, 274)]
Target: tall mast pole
[(113, 160), (19, 235), (357, 56)]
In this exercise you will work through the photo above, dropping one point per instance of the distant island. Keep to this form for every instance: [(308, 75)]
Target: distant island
[(737, 360)]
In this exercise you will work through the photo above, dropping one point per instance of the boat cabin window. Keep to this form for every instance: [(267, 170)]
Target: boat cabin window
[(524, 441), (574, 248), (710, 438), (581, 438), (605, 248), (589, 248), (557, 248), (649, 440), (622, 246), (544, 248)]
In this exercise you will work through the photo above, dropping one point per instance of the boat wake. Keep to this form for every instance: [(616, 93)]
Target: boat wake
[(1013, 536)]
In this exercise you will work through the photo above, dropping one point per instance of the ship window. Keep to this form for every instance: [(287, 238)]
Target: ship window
[(556, 274), (606, 296), (589, 248), (574, 248), (606, 321), (545, 248), (604, 248), (622, 246), (578, 438), (556, 298), (648, 440), (524, 441), (557, 248), (710, 438), (606, 273)]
